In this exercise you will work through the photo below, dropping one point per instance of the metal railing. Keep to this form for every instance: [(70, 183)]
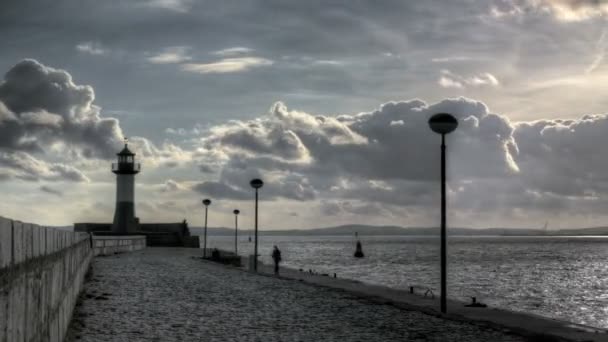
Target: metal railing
[(126, 167)]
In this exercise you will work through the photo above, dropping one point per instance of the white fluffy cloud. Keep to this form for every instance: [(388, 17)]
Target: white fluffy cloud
[(563, 10), (450, 79), (387, 161), (367, 155), (227, 65), (171, 55), (92, 48)]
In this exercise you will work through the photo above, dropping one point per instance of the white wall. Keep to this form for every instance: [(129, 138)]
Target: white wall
[(41, 274)]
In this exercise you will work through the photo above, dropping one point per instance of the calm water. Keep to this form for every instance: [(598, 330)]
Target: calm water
[(560, 277)]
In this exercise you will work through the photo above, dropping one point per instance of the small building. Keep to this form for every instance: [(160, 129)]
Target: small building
[(126, 223)]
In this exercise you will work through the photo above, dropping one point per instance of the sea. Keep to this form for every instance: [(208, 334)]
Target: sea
[(563, 277)]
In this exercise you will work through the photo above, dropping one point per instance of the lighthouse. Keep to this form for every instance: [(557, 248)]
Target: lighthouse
[(125, 170)]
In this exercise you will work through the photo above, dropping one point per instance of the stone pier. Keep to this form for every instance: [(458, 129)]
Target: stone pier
[(169, 294)]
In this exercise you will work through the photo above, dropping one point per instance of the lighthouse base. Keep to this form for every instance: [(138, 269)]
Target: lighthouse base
[(157, 234), (124, 219)]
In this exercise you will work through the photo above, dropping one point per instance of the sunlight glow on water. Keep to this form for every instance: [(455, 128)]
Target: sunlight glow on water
[(559, 277)]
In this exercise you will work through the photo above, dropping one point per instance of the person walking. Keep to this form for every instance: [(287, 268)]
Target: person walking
[(276, 257)]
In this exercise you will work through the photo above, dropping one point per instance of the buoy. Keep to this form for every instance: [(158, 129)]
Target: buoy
[(359, 250)]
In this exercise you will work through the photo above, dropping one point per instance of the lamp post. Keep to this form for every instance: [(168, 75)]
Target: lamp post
[(256, 184), (206, 203), (236, 213), (443, 124)]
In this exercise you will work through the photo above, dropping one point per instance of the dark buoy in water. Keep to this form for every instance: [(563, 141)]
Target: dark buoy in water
[(359, 249)]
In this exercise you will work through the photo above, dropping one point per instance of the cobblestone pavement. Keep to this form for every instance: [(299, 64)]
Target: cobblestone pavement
[(163, 294)]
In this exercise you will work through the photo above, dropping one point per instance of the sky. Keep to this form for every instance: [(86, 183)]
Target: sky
[(326, 101)]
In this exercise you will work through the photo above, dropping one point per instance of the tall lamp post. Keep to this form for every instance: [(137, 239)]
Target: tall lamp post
[(236, 213), (256, 184), (443, 124), (206, 203)]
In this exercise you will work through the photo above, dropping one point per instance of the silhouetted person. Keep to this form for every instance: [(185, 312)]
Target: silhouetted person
[(215, 254), (276, 257)]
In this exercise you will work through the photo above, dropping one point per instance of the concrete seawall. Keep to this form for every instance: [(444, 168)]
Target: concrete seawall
[(41, 274), (108, 245)]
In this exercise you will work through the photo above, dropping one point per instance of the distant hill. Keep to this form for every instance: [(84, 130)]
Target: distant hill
[(396, 230), (350, 229)]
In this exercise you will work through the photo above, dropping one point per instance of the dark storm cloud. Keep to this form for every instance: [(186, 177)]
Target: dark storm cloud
[(40, 106)]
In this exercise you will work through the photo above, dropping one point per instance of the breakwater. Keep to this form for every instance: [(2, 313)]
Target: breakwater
[(41, 274)]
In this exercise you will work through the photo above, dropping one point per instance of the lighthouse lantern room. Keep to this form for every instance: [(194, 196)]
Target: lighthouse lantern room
[(125, 170)]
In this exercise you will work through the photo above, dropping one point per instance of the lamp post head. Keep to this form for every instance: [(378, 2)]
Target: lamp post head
[(236, 211), (443, 123), (256, 183), (206, 202)]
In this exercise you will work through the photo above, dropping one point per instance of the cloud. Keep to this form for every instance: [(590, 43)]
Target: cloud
[(452, 59), (24, 166), (574, 10), (564, 157), (220, 190), (563, 10), (600, 53), (304, 156), (92, 48), (171, 55), (227, 65), (180, 6), (237, 50), (447, 82), (171, 186), (449, 79), (384, 163), (49, 190), (41, 107)]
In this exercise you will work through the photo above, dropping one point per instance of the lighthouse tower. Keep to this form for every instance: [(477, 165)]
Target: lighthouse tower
[(125, 170)]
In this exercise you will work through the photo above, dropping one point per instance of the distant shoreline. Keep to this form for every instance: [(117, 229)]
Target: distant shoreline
[(367, 230), (364, 230)]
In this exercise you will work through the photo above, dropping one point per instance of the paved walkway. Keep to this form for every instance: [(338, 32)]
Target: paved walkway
[(163, 294)]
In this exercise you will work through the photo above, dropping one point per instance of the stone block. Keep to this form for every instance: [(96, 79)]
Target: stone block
[(35, 240), (6, 242), (18, 243), (48, 241), (4, 315), (28, 240), (16, 307)]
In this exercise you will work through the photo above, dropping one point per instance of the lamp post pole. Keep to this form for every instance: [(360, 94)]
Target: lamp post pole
[(443, 124), (206, 203), (236, 230), (256, 184), (444, 253)]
